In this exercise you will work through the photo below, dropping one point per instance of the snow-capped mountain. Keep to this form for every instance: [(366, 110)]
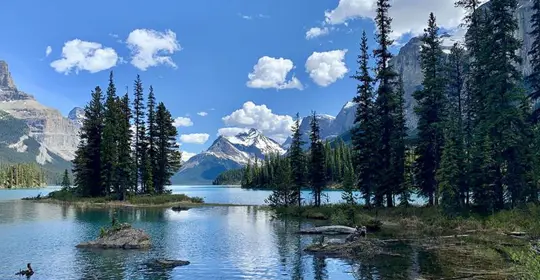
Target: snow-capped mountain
[(76, 115), (330, 127), (227, 152)]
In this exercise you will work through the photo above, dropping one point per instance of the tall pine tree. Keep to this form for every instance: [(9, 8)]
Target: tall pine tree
[(87, 162), (125, 166), (364, 131), (141, 143), (168, 154), (385, 108), (297, 160), (152, 137), (431, 112), (317, 160), (109, 144)]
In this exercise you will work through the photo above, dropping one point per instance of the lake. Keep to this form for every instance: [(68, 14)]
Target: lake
[(240, 242)]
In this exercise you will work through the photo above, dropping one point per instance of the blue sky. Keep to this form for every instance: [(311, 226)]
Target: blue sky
[(198, 55)]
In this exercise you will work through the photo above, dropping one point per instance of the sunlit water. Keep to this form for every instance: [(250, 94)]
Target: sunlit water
[(239, 242)]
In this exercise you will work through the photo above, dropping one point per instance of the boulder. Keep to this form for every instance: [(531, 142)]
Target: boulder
[(165, 263), (180, 208), (122, 236), (328, 230)]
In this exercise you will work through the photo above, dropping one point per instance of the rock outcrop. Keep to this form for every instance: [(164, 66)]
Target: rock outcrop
[(166, 264), (56, 134), (120, 237)]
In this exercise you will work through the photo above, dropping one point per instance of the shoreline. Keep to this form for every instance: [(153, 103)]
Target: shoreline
[(126, 204)]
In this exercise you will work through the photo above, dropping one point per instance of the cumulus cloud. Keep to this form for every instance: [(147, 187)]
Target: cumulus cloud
[(202, 114), (231, 131), (407, 18), (181, 121), (194, 138), (272, 72), (48, 50), (81, 55), (187, 155), (277, 127), (326, 68), (151, 48), (315, 32)]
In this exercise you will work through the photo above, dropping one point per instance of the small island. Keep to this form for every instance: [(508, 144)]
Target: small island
[(119, 236)]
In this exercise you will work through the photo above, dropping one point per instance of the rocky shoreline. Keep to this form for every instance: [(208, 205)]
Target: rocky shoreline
[(121, 236)]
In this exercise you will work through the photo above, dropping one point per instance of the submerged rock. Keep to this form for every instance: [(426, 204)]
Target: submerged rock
[(122, 236), (328, 230), (166, 263)]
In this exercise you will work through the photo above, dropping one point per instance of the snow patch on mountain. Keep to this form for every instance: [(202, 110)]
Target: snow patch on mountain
[(19, 146)]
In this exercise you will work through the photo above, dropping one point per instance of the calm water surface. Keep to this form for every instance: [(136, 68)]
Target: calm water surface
[(220, 242)]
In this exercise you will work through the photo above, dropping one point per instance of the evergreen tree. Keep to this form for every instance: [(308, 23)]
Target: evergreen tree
[(152, 138), (297, 159), (398, 142), (317, 160), (431, 112), (364, 132), (385, 108), (125, 166), (348, 187), (141, 143), (109, 143), (66, 183), (87, 161), (283, 194), (168, 154), (534, 77)]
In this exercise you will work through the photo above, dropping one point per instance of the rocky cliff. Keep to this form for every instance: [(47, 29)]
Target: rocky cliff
[(57, 134)]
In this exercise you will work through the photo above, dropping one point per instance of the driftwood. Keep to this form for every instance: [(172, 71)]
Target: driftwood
[(328, 230)]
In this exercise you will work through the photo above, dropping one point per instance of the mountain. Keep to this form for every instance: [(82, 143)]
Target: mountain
[(224, 154), (407, 61), (76, 116), (32, 132), (331, 127)]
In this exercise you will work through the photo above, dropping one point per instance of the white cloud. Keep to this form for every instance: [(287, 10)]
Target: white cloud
[(272, 72), (245, 16), (202, 114), (151, 48), (48, 50), (248, 17), (81, 55), (231, 131), (315, 32), (407, 18), (326, 68), (277, 127), (194, 138), (181, 121), (187, 155)]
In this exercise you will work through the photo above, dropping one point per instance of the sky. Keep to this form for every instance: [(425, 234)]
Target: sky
[(219, 66)]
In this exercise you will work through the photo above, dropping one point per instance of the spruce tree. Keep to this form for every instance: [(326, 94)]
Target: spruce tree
[(66, 183), (141, 147), (364, 132), (87, 162), (534, 78), (109, 144), (168, 154), (348, 187), (125, 166), (317, 160), (297, 159), (152, 137), (431, 112), (283, 194), (400, 150), (385, 108)]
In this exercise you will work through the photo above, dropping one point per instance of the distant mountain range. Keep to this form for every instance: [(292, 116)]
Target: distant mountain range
[(224, 154), (32, 132)]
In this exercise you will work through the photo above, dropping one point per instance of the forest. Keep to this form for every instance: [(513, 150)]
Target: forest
[(126, 148), (21, 175), (478, 135)]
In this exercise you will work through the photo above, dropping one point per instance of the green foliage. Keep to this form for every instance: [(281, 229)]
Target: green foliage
[(105, 165), (529, 263), (21, 175), (316, 161), (284, 192), (230, 177), (66, 182), (297, 159)]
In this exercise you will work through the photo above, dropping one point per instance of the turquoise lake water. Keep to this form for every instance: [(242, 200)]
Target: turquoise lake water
[(238, 242)]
